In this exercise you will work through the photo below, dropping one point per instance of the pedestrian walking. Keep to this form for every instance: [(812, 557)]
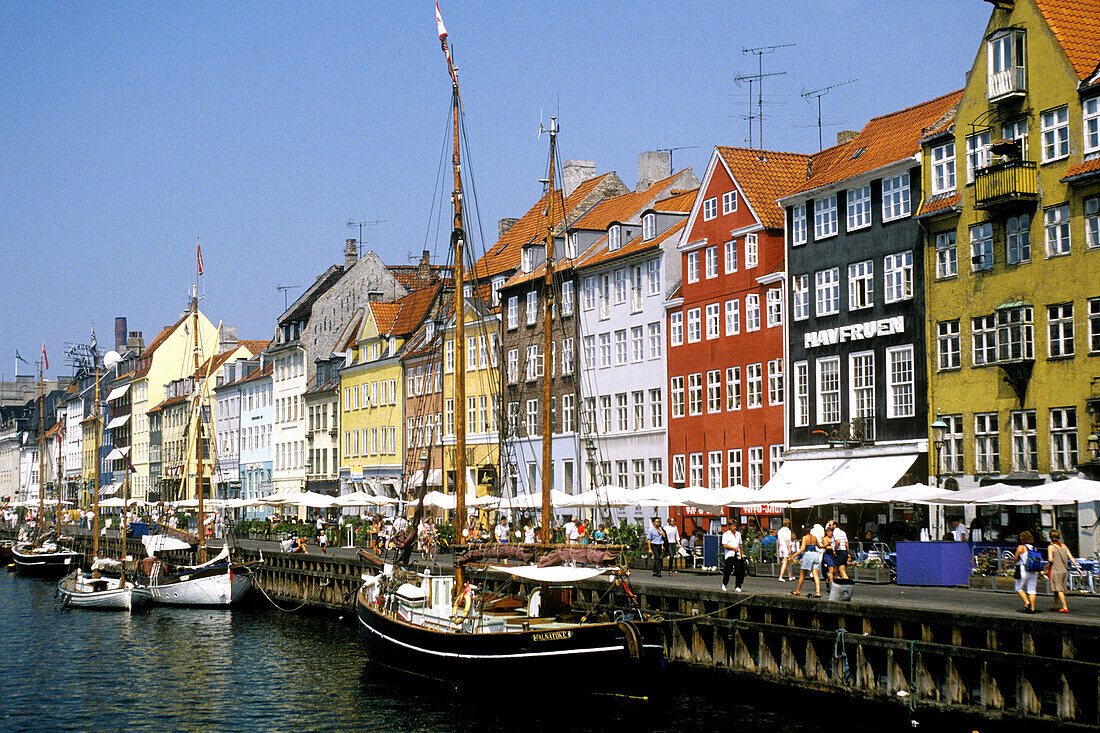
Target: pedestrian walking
[(1029, 562), (1059, 557), (672, 535), (783, 548), (655, 542), (734, 559), (810, 552)]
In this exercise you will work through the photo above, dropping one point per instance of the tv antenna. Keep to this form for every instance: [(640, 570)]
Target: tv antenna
[(285, 289), (758, 77), (818, 94), (361, 224), (670, 151)]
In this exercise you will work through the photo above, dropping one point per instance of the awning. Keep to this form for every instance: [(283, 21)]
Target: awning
[(799, 479), (118, 453), (118, 392), (557, 574), (110, 489), (118, 422)]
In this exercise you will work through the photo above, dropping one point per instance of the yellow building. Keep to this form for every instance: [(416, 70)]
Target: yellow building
[(1013, 260), (372, 389)]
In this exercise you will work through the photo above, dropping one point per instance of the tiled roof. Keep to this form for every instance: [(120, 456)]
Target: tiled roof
[(258, 374), (168, 402), (764, 176), (678, 292), (1078, 170), (254, 346), (620, 208), (384, 315), (602, 254), (680, 202), (405, 316), (156, 343), (1076, 25), (882, 141), (505, 254), (410, 279), (214, 363), (939, 203)]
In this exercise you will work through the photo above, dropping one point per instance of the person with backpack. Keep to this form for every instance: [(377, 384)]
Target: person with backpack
[(1029, 563)]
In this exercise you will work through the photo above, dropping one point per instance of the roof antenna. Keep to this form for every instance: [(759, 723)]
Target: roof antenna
[(671, 150), (818, 94), (759, 76)]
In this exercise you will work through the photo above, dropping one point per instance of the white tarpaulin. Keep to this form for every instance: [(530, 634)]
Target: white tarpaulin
[(557, 574), (118, 422), (118, 453), (118, 392), (162, 542), (810, 478), (311, 499), (978, 494), (435, 478), (362, 498)]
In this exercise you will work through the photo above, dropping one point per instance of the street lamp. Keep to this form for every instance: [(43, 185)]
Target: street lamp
[(939, 430)]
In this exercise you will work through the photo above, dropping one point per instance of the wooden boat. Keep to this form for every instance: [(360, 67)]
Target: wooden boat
[(80, 590), (45, 559), (218, 582)]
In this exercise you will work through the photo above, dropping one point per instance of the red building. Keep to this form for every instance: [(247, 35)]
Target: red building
[(725, 325)]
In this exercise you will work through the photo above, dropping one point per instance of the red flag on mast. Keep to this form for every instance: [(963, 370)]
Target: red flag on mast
[(198, 248), (45, 359), (443, 43)]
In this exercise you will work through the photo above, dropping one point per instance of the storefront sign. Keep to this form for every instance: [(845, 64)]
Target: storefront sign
[(761, 509), (855, 332)]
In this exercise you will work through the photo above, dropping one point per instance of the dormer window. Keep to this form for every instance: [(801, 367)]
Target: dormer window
[(1007, 78), (571, 243), (498, 283), (526, 265), (614, 237), (649, 226)]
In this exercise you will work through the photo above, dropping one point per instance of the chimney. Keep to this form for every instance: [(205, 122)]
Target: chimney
[(652, 167), (424, 269), (228, 339), (505, 224), (845, 135), (120, 333), (351, 253), (135, 342), (576, 172)]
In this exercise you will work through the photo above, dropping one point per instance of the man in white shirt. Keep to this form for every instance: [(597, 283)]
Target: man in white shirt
[(840, 550), (783, 549), (501, 531), (672, 535), (958, 530), (734, 561), (572, 535)]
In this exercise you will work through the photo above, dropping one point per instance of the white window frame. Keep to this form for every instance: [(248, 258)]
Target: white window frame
[(801, 379), (861, 285), (897, 274), (710, 208), (900, 387), (711, 261), (1063, 439), (1060, 330), (731, 256), (943, 168), (614, 237), (752, 250), (694, 326), (948, 345), (729, 202), (828, 392), (827, 291), (752, 312), (649, 226), (800, 297), (676, 328), (859, 207), (693, 266), (896, 199), (775, 381), (733, 317), (977, 153), (775, 307), (981, 247), (1054, 132), (1057, 230), (1090, 125), (798, 225), (825, 217), (712, 316)]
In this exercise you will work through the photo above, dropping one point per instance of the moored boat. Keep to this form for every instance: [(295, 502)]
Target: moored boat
[(45, 559), (218, 582), (79, 590)]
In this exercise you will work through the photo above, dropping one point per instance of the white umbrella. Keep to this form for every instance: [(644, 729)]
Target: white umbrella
[(112, 503), (362, 498), (312, 499), (1070, 491), (978, 494)]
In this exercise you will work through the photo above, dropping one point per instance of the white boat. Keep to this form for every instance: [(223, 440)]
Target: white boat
[(80, 590), (218, 582)]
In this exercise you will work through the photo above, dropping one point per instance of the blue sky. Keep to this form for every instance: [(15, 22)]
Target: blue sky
[(128, 130)]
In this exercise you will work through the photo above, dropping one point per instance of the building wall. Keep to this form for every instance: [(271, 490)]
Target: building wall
[(257, 430), (372, 402)]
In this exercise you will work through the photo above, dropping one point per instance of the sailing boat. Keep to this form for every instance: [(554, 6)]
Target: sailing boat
[(408, 619), (40, 553), (97, 591)]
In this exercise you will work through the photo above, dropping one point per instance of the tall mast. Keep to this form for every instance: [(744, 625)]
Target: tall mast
[(95, 481), (41, 447), (197, 351), (548, 347), (458, 237)]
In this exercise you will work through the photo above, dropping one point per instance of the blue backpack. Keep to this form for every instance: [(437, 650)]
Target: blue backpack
[(1034, 561)]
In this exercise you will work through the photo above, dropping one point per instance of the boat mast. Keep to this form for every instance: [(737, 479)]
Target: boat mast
[(458, 237), (41, 447), (95, 481), (548, 347), (197, 413)]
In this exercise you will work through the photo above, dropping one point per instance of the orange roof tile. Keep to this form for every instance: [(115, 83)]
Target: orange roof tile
[(1082, 169), (602, 254), (384, 315), (680, 202), (882, 141), (764, 176), (1076, 25), (939, 203), (405, 316), (254, 346), (155, 344), (410, 279), (620, 208)]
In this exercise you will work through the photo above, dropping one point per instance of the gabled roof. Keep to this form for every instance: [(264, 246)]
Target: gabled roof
[(1076, 25), (599, 253), (303, 304), (168, 402), (156, 344), (939, 204), (763, 176), (882, 141), (621, 208), (410, 276), (254, 346), (384, 315), (405, 316)]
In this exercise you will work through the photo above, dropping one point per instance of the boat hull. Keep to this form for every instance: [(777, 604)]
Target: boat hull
[(77, 592), (214, 586), (622, 652), (43, 564), (5, 553)]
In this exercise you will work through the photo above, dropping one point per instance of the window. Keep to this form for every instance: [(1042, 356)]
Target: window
[(656, 408), (948, 342), (981, 247), (637, 343), (861, 399), (731, 256), (775, 382), (943, 168), (1054, 127), (1025, 441), (534, 367), (676, 328), (828, 291), (752, 256), (532, 307), (752, 312), (977, 154), (605, 413), (828, 390), (756, 467), (694, 328), (712, 262), (567, 356), (1015, 336), (710, 208), (638, 402), (1057, 230), (714, 469), (620, 347), (1092, 222), (614, 237), (695, 393), (733, 388), (859, 207), (987, 443), (588, 293), (898, 274), (604, 297), (653, 273), (947, 258), (620, 286), (622, 412), (712, 321), (951, 453), (532, 417), (589, 352), (1094, 325), (655, 346), (695, 463), (775, 307), (677, 390), (895, 197), (513, 366), (636, 292), (649, 226), (861, 285), (714, 390), (693, 267), (984, 332), (733, 467), (733, 317), (1006, 64), (1018, 239), (798, 224), (1063, 439), (1017, 130), (1090, 126), (776, 456), (899, 382), (800, 296), (825, 217), (678, 469), (801, 394), (571, 244), (638, 472), (605, 350), (566, 295), (513, 312), (729, 202), (1060, 330)]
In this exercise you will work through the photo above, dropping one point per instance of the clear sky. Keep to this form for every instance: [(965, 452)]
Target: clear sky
[(128, 130)]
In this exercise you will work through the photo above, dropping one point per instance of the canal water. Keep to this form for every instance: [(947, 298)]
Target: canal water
[(259, 669)]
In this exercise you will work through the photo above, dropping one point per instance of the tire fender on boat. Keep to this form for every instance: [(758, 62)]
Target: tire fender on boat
[(632, 639)]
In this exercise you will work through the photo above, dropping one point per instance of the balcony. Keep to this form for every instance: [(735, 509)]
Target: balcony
[(1006, 184), (1007, 84)]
